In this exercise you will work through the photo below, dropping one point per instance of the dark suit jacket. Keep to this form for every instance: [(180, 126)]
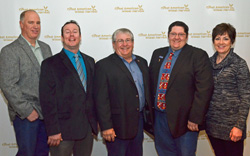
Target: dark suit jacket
[(67, 108), (189, 89), (116, 96)]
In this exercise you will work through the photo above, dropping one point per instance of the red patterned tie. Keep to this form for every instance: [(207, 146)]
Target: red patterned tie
[(161, 99)]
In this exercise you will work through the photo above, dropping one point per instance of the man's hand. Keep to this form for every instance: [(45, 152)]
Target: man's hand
[(192, 126), (54, 140), (235, 134), (109, 134), (33, 116)]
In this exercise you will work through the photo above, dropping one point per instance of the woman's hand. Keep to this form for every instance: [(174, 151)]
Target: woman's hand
[(235, 134)]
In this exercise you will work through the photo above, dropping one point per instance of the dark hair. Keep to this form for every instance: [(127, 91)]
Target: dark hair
[(223, 28), (70, 22), (178, 23), (24, 12), (123, 31)]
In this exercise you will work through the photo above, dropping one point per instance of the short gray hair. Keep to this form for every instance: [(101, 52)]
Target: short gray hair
[(123, 31)]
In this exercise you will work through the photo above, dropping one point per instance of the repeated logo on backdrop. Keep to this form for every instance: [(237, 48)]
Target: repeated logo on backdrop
[(53, 37), (148, 139), (102, 36), (229, 7), (202, 135), (8, 38), (9, 145), (43, 10), (248, 134), (162, 35), (136, 9), (183, 8), (91, 9), (200, 35), (243, 34)]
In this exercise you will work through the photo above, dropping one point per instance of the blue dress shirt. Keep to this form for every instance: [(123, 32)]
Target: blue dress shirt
[(138, 79), (72, 59), (174, 58)]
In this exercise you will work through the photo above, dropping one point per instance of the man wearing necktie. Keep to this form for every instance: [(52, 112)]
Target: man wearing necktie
[(66, 86), (182, 84)]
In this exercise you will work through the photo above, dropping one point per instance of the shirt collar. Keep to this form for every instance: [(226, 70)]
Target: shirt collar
[(36, 46), (71, 54), (176, 53), (133, 58)]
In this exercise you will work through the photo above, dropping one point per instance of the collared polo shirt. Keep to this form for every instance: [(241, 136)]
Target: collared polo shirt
[(36, 50)]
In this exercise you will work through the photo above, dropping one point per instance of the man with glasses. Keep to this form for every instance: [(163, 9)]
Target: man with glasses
[(122, 97), (182, 84)]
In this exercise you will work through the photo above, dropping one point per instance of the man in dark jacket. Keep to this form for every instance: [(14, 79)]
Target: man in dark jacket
[(182, 84), (122, 97), (66, 86)]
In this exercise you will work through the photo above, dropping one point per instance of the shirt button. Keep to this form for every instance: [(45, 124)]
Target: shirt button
[(137, 96), (137, 109)]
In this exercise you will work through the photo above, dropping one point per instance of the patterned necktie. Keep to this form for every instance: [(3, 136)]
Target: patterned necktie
[(80, 71), (161, 99)]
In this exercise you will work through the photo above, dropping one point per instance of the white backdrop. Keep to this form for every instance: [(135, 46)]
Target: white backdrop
[(147, 19)]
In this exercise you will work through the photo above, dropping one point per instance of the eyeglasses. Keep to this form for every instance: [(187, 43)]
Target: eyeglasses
[(120, 41), (181, 35)]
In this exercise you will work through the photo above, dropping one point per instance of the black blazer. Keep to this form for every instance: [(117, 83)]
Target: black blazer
[(66, 107), (116, 97), (189, 89)]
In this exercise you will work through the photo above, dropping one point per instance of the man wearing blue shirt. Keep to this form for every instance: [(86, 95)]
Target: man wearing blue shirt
[(122, 97), (66, 86), (182, 84)]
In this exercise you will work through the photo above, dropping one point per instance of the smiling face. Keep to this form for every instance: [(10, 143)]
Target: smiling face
[(71, 37), (222, 44), (123, 45), (30, 26), (177, 38)]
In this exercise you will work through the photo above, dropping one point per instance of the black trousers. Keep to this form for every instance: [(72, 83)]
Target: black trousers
[(227, 148), (82, 147)]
